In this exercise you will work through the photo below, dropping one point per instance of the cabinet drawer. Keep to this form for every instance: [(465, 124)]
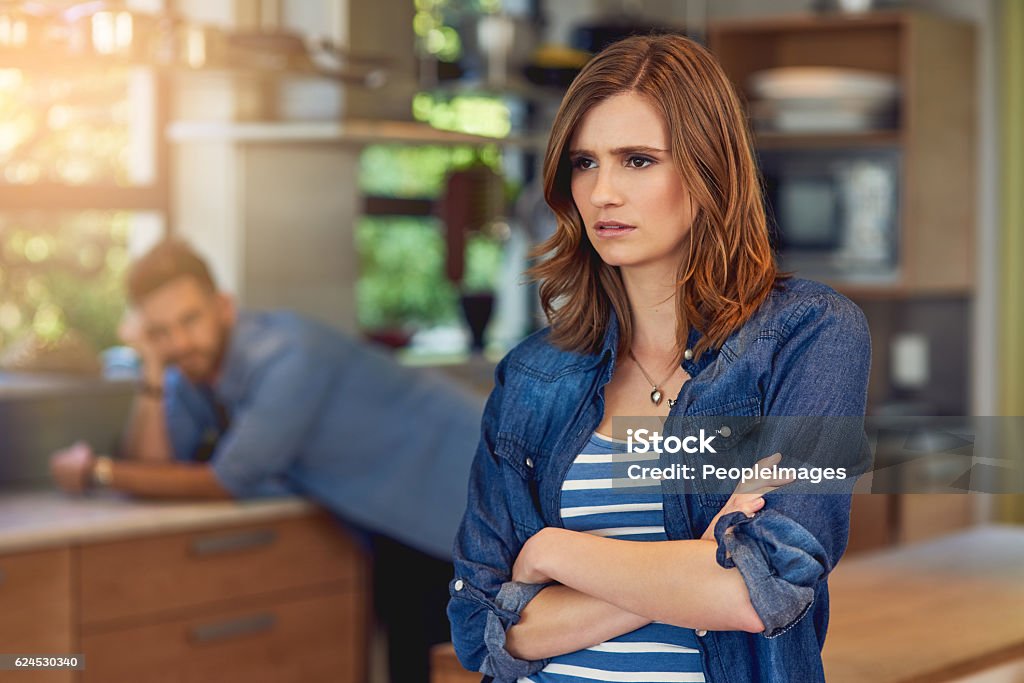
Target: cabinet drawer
[(312, 639), (151, 575), (35, 610)]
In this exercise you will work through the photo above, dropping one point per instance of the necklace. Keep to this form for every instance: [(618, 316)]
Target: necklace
[(656, 394)]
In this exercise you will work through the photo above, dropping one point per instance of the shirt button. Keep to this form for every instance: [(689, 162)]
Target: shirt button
[(458, 585), (529, 462), (701, 632), (725, 431), (688, 354)]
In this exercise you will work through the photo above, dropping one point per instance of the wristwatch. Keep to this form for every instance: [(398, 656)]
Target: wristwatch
[(151, 390), (103, 471)]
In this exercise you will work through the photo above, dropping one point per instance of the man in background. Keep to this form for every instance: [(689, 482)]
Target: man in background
[(235, 404)]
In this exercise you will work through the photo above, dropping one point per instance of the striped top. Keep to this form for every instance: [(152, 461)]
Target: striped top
[(598, 498)]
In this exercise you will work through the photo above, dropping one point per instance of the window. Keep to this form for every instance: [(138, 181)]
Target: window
[(81, 180)]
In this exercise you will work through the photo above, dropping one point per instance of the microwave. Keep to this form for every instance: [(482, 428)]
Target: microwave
[(835, 212)]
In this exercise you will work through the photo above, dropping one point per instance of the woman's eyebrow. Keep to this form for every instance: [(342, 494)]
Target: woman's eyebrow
[(621, 151)]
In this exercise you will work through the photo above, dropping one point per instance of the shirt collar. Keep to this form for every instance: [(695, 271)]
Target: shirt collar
[(610, 347), (233, 369)]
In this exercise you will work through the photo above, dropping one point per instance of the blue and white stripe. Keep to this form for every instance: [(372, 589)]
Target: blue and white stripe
[(599, 499)]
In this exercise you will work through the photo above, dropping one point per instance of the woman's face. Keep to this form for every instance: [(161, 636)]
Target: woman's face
[(626, 187)]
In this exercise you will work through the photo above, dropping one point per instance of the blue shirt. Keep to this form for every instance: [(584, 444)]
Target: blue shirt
[(805, 352), (316, 413), (598, 500)]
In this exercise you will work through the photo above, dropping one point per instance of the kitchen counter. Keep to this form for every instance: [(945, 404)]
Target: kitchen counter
[(929, 611), (46, 519), (265, 590)]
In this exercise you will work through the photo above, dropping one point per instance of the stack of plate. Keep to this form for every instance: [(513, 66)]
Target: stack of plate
[(823, 100)]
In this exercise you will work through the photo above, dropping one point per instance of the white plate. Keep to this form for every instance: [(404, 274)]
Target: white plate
[(822, 82)]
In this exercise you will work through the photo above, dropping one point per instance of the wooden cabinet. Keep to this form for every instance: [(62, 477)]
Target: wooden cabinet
[(933, 59), (170, 573), (312, 638), (35, 611), (445, 666), (279, 601)]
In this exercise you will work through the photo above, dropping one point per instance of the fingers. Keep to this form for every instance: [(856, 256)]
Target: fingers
[(772, 459), (751, 506)]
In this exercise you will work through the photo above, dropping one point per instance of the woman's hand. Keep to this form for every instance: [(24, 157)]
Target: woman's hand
[(748, 495), (537, 549)]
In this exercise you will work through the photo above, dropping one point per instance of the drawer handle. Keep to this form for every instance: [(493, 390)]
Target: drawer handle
[(233, 542), (232, 628)]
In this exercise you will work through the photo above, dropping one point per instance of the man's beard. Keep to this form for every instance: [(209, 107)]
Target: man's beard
[(200, 365), (197, 365)]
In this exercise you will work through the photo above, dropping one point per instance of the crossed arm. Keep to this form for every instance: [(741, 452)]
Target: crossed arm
[(607, 587)]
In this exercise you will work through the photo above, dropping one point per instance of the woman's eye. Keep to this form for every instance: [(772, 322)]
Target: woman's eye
[(582, 163), (639, 162)]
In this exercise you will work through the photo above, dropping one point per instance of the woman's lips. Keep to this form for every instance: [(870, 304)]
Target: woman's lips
[(612, 229)]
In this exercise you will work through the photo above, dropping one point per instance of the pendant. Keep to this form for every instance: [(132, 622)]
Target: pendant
[(656, 396)]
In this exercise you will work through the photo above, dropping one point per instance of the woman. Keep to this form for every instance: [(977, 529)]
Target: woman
[(659, 282)]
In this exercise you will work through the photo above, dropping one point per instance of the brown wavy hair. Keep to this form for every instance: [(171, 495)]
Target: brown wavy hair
[(729, 269)]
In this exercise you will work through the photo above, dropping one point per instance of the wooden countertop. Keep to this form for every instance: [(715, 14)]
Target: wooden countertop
[(929, 611), (44, 519)]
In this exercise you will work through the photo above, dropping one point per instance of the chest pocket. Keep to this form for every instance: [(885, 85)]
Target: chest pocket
[(520, 464), (735, 427)]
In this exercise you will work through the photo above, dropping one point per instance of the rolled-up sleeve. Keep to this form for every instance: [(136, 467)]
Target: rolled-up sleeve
[(786, 551), (485, 602), (500, 614), (780, 561)]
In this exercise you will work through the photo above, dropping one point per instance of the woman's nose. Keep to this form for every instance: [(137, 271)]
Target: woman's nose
[(605, 191)]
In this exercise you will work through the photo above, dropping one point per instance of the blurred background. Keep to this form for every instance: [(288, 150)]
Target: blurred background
[(376, 165)]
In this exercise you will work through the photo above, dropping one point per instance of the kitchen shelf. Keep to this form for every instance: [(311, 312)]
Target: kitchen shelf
[(872, 138), (351, 131), (57, 197), (933, 59), (375, 205)]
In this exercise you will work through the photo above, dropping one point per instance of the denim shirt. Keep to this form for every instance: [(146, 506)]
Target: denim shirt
[(805, 352)]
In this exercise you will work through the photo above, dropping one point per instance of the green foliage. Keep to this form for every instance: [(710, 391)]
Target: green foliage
[(402, 279), (61, 273), (417, 172), (483, 261)]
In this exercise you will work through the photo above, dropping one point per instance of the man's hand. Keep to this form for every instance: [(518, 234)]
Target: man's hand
[(132, 332), (747, 497), (72, 467)]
